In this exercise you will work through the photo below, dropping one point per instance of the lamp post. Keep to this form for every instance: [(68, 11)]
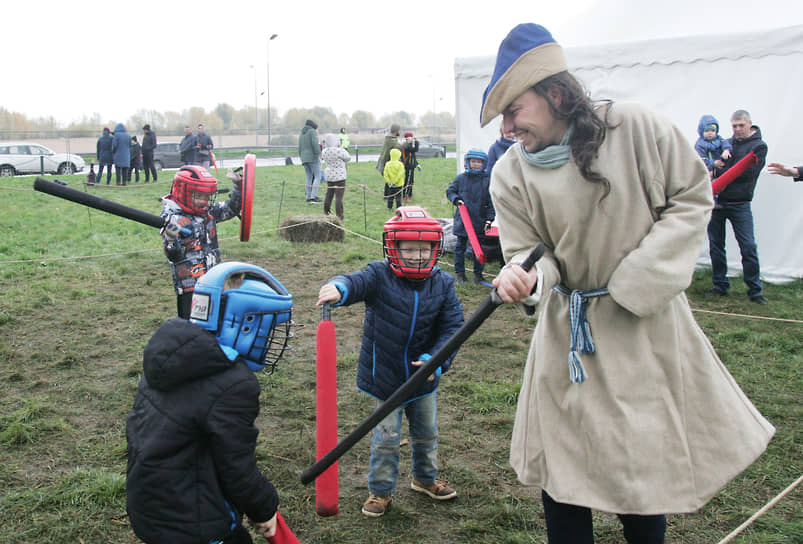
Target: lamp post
[(273, 36), (256, 111)]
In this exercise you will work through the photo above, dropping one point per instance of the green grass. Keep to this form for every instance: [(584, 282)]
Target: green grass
[(82, 292)]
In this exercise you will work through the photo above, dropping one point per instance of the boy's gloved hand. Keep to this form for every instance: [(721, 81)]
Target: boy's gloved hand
[(458, 202), (172, 228)]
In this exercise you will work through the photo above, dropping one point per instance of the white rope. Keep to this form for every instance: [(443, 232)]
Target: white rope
[(763, 509)]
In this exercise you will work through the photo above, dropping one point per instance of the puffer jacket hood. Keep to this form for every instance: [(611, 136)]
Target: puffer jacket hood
[(704, 121), (179, 352), (395, 154), (331, 140)]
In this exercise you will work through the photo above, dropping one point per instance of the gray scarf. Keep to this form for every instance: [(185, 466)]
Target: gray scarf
[(551, 156)]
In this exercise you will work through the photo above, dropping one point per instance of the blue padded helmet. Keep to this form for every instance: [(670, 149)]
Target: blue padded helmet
[(476, 154), (249, 311)]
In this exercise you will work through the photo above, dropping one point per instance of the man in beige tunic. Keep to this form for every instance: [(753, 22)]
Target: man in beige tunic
[(640, 418)]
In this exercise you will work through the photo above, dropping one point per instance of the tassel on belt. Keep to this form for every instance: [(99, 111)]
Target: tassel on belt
[(581, 341)]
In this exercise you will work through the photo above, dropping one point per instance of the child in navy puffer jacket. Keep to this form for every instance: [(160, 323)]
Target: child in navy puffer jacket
[(411, 310)]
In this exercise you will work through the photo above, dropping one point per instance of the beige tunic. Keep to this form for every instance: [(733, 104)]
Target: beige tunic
[(659, 425)]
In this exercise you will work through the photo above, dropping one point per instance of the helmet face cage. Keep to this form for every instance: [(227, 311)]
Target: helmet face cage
[(475, 154), (412, 223), (193, 179), (253, 317)]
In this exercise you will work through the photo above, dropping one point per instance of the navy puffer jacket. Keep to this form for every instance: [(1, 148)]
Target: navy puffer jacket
[(121, 147), (192, 467), (404, 320), (472, 189)]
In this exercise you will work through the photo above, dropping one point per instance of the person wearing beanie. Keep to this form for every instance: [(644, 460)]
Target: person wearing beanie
[(148, 147), (712, 148), (644, 419), (410, 163), (309, 150)]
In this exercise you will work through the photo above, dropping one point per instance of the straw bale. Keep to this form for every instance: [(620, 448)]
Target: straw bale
[(312, 228)]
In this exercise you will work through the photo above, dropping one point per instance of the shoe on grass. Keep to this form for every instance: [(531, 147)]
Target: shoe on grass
[(375, 506), (715, 293), (437, 490), (759, 299), (460, 278), (479, 278)]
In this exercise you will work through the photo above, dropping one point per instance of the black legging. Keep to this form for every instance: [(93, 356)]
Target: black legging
[(334, 189), (570, 524)]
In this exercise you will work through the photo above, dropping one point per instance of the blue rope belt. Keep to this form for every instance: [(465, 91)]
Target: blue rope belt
[(581, 332)]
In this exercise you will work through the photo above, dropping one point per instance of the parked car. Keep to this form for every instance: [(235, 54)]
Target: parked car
[(427, 151), (167, 155), (26, 158)]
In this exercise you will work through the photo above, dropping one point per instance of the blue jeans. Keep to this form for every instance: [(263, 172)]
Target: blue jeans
[(313, 172), (741, 218), (460, 257), (422, 415), (570, 524)]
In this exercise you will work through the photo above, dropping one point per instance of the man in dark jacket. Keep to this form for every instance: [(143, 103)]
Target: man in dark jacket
[(188, 146), (104, 155), (148, 146), (733, 204), (192, 470), (121, 149)]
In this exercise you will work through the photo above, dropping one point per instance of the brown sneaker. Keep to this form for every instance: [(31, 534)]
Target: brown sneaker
[(437, 490), (375, 506)]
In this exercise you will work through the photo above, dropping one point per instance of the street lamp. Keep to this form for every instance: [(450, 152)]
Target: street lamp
[(256, 111), (273, 36)]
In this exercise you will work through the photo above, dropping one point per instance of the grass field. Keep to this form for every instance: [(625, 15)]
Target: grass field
[(82, 292)]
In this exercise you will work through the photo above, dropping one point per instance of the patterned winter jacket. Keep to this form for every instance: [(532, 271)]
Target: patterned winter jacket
[(405, 321), (192, 255)]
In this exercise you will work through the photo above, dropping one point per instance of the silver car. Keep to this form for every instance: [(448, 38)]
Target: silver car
[(27, 158)]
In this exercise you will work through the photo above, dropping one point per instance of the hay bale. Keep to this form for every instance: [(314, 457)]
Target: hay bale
[(312, 228)]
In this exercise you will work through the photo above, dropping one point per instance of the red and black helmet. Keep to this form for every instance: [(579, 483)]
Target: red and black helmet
[(412, 223), (193, 179)]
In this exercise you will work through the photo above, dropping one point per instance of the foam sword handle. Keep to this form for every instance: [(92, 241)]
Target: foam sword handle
[(408, 388), (102, 204)]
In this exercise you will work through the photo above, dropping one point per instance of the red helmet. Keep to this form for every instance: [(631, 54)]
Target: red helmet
[(193, 179), (412, 223)]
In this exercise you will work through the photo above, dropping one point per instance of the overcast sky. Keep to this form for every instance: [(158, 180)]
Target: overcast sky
[(74, 59)]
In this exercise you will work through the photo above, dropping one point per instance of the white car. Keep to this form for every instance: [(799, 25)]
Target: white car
[(26, 158)]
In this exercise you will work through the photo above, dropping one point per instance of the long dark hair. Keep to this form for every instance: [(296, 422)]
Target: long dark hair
[(589, 129)]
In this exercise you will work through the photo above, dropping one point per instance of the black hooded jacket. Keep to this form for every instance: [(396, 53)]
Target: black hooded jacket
[(742, 188), (192, 468)]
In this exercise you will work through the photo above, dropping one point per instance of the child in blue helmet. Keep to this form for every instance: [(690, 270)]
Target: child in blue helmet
[(192, 472), (411, 310), (471, 189), (712, 148)]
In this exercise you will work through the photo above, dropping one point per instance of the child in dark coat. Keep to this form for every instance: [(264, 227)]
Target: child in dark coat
[(411, 310), (471, 189), (712, 148), (191, 441)]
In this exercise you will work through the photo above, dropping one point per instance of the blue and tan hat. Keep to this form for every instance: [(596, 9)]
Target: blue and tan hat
[(526, 56)]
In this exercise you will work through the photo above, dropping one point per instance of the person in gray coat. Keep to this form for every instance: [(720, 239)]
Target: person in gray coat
[(121, 151), (309, 150)]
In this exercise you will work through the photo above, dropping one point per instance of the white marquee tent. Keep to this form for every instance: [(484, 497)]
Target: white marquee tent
[(684, 78)]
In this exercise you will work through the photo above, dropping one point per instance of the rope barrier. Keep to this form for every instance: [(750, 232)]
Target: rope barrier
[(761, 511)]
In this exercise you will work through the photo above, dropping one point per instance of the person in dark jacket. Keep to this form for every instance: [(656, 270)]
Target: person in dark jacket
[(191, 440), (121, 149), (499, 147), (203, 147), (733, 204), (104, 155), (136, 156), (190, 232), (148, 147), (188, 147), (471, 189), (712, 148), (411, 310), (410, 163)]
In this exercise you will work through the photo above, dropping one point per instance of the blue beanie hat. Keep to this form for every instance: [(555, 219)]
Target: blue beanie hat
[(527, 55)]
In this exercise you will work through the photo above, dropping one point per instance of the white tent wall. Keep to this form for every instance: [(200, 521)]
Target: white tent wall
[(684, 78)]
